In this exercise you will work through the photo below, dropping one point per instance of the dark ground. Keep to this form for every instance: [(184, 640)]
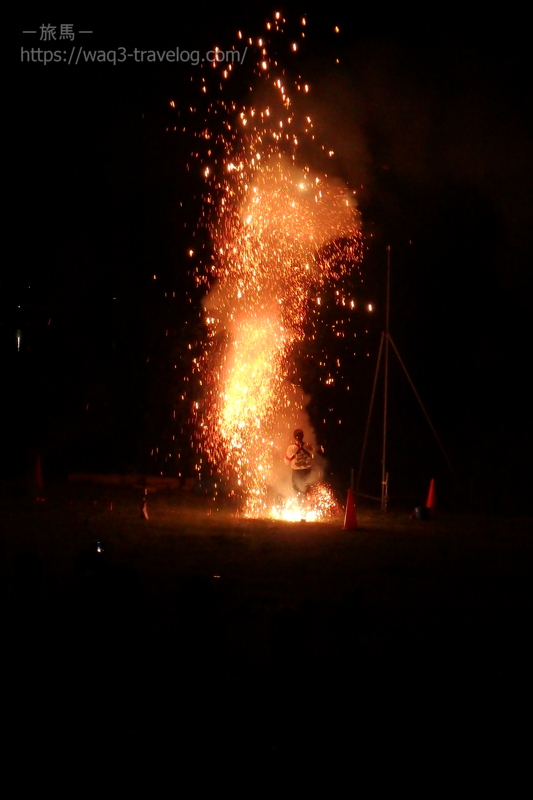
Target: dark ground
[(204, 653)]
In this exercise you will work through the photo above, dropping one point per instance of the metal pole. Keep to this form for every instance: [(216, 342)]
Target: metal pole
[(384, 475), (376, 375)]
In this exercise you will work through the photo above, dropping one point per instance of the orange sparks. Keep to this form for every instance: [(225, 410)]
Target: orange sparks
[(279, 231)]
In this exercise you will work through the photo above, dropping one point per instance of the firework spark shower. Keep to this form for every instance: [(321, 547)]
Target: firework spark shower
[(279, 231)]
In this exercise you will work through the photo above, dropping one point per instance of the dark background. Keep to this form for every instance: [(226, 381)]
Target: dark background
[(430, 118)]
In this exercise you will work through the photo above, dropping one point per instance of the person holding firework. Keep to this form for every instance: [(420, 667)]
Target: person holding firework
[(300, 457)]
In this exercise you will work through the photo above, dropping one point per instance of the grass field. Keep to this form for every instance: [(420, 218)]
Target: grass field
[(204, 652)]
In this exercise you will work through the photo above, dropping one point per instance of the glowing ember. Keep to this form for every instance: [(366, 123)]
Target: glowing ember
[(279, 231)]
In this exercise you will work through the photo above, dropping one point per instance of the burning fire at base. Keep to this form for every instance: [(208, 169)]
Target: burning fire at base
[(279, 231), (318, 504)]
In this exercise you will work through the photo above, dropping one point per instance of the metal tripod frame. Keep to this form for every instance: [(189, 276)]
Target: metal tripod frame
[(386, 339)]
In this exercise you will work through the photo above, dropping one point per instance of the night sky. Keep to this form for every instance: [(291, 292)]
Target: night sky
[(431, 121)]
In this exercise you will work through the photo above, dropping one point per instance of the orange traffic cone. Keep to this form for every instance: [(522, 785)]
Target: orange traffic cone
[(430, 502), (350, 515)]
